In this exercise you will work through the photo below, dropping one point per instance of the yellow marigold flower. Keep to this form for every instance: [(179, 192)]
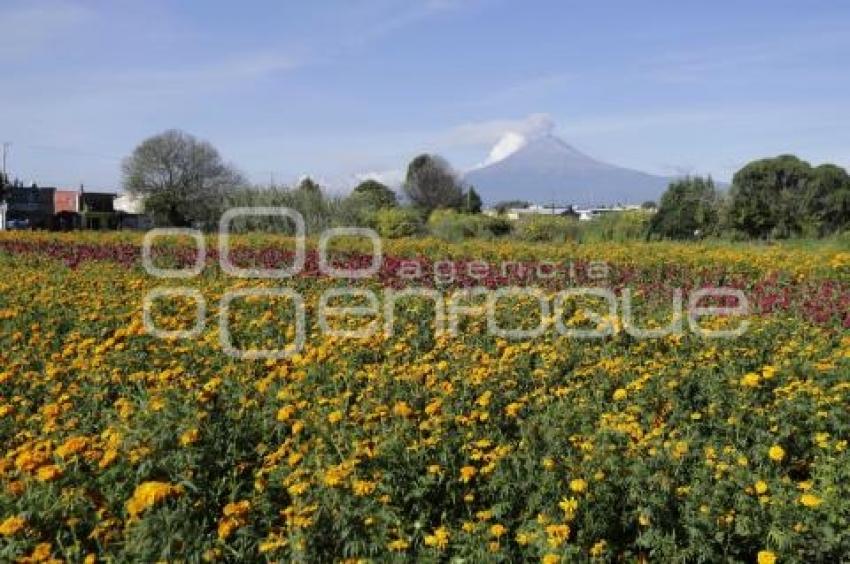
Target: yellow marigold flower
[(751, 380), (402, 409), (363, 487), (335, 417), (548, 463), (569, 506), (620, 394), (398, 545), (41, 553), (513, 409), (227, 526), (557, 534), (237, 508), (523, 539), (550, 559), (439, 539), (766, 557), (285, 413), (108, 458), (810, 500), (190, 437), (578, 485), (72, 446), (497, 530), (148, 494), (467, 473), (12, 526), (48, 473), (776, 453), (761, 487), (598, 549)]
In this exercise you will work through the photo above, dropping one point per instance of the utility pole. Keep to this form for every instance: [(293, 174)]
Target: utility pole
[(6, 146)]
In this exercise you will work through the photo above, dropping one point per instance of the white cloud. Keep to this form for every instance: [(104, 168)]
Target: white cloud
[(490, 132), (505, 136)]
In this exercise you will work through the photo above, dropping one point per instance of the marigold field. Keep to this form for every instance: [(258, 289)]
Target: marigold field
[(121, 446)]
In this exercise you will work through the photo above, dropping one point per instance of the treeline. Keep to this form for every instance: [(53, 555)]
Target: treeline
[(775, 198), (183, 181)]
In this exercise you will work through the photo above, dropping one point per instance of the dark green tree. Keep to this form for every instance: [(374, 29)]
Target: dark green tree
[(375, 194), (309, 186), (688, 208), (768, 197), (182, 179), (471, 201), (430, 184), (827, 200)]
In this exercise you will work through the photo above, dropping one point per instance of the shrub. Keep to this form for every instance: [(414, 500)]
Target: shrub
[(616, 226), (453, 226), (398, 222), (547, 228)]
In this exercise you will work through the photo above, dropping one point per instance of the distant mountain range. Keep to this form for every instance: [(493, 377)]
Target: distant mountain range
[(547, 169)]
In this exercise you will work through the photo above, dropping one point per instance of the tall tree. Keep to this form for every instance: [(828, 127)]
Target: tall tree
[(431, 184), (827, 201), (181, 179), (471, 201), (375, 194), (689, 207), (767, 197)]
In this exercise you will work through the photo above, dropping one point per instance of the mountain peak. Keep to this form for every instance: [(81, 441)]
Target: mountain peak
[(547, 168)]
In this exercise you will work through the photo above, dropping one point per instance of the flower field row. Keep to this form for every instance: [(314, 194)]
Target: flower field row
[(121, 446)]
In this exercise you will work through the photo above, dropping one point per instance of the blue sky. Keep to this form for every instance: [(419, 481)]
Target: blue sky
[(343, 89)]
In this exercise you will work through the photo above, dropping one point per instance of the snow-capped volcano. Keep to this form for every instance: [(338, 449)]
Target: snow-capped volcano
[(545, 169)]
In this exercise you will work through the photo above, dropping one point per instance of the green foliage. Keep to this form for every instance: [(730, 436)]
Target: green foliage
[(471, 201), (394, 223), (549, 228), (183, 180), (689, 207), (453, 226), (785, 196), (767, 195), (430, 184), (616, 226), (375, 195), (319, 210)]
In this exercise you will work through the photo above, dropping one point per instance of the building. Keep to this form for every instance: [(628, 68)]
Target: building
[(31, 204), (583, 214)]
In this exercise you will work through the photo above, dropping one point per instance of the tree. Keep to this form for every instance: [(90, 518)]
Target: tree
[(688, 208), (181, 179), (430, 184), (309, 186), (375, 194), (503, 206), (471, 201), (827, 201), (768, 197)]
